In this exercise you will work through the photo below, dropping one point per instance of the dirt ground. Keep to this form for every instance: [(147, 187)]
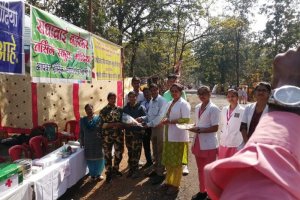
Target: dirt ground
[(139, 189)]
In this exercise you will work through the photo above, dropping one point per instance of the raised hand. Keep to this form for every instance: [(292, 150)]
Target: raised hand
[(286, 68)]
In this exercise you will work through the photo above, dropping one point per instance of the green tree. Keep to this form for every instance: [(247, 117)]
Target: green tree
[(283, 26)]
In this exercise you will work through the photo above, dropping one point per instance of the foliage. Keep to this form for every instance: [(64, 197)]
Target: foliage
[(283, 26), (215, 47)]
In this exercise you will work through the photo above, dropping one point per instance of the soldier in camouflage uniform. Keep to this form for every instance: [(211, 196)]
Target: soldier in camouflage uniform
[(112, 136), (134, 135)]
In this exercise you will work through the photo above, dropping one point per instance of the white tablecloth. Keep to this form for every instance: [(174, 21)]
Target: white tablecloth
[(53, 181), (23, 191)]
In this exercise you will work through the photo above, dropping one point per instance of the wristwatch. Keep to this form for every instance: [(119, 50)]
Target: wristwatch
[(287, 96)]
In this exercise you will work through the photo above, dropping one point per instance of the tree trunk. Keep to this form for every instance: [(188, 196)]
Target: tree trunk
[(120, 19), (176, 40), (237, 57), (133, 57), (90, 16)]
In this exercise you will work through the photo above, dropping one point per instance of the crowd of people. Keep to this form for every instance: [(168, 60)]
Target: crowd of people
[(237, 150)]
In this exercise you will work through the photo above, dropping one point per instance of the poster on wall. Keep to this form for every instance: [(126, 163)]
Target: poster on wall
[(107, 60), (11, 37), (60, 51)]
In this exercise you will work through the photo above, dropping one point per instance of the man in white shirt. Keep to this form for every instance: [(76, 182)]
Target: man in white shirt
[(136, 84), (156, 113), (147, 135)]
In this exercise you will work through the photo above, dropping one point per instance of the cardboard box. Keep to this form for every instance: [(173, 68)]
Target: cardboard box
[(10, 176)]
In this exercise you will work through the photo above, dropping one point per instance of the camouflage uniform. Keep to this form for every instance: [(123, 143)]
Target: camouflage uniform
[(112, 137), (134, 136), (134, 141)]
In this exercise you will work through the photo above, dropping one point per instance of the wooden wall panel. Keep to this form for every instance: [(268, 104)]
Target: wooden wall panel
[(15, 101), (55, 103), (95, 94)]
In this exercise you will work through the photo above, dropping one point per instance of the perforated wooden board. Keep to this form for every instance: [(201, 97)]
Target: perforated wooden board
[(95, 94), (54, 101), (15, 101)]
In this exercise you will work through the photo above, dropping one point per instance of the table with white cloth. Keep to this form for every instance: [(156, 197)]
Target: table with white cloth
[(23, 191), (53, 181)]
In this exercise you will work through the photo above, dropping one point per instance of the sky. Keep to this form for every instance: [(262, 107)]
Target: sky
[(259, 21)]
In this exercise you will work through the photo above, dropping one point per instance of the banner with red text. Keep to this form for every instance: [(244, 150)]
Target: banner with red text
[(107, 60), (60, 51)]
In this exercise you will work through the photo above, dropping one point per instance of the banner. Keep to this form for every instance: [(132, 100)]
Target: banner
[(11, 37), (60, 51), (107, 60)]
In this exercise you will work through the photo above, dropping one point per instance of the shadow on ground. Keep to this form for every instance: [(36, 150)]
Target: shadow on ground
[(140, 189)]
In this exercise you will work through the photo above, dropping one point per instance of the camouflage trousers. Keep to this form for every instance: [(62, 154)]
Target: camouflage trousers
[(134, 143), (113, 139)]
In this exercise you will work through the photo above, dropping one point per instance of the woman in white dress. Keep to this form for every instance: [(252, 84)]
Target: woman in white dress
[(231, 117), (254, 111)]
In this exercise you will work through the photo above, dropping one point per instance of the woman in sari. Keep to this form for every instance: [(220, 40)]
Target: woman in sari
[(175, 150), (90, 140)]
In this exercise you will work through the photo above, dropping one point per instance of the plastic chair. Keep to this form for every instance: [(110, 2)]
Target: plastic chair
[(17, 152), (2, 159), (3, 134), (71, 131), (38, 146), (52, 134), (36, 131)]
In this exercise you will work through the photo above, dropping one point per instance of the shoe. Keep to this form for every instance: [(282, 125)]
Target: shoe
[(141, 163), (117, 173), (92, 179), (172, 190), (157, 180), (108, 178), (99, 178), (130, 173), (151, 174), (185, 170), (147, 165), (200, 196), (135, 175), (164, 187)]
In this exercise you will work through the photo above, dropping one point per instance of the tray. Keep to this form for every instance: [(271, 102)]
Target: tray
[(185, 126)]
